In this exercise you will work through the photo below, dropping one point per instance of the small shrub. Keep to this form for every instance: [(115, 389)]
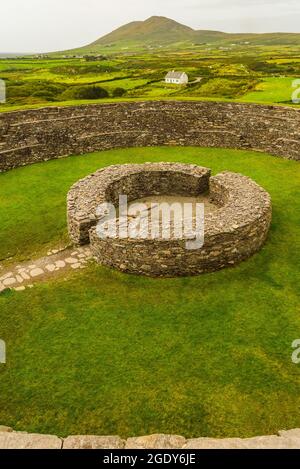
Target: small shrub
[(265, 67), (118, 92), (70, 70), (42, 89), (84, 92), (223, 87)]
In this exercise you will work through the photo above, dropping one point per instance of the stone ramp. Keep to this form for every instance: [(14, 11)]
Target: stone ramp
[(22, 276)]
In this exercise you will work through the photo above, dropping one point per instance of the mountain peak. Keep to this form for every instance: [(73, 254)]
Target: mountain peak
[(159, 19), (156, 29)]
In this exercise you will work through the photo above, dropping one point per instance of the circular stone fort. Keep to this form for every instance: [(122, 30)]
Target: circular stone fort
[(238, 211), (237, 217)]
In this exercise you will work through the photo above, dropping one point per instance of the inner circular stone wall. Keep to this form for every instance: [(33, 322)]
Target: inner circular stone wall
[(234, 230)]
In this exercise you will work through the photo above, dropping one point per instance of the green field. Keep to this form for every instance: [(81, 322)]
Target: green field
[(100, 352), (249, 73), (272, 90)]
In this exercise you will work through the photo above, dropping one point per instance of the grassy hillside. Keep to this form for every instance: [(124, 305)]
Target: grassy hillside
[(158, 31), (155, 29)]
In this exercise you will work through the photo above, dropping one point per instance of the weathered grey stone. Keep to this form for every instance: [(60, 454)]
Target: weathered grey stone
[(135, 181), (25, 276), (294, 433), (58, 131), (236, 228), (158, 441), (292, 437), (93, 442), (287, 439), (36, 272), (14, 440), (71, 260), (8, 275), (260, 442), (9, 281)]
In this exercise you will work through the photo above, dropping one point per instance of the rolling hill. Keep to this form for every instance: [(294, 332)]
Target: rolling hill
[(159, 31)]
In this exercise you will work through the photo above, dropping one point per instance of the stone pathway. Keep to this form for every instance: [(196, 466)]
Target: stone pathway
[(24, 275)]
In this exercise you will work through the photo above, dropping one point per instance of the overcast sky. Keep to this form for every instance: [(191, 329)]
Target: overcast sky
[(49, 25)]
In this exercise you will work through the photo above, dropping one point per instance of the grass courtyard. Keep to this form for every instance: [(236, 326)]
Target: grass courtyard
[(100, 352)]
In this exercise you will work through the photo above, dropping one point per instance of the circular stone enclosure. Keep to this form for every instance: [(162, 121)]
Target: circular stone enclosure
[(235, 230), (35, 135)]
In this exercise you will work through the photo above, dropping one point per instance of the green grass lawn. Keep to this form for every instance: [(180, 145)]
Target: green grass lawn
[(108, 353), (272, 90)]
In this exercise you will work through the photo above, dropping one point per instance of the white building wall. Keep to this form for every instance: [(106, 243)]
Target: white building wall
[(183, 80)]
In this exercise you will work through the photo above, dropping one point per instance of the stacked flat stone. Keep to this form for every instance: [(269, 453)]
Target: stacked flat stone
[(233, 233), (9, 439), (135, 181), (41, 134)]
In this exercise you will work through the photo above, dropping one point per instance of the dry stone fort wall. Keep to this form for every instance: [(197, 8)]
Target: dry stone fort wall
[(37, 135), (32, 136)]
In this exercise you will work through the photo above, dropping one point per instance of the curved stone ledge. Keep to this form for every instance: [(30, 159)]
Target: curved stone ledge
[(32, 136), (286, 439), (233, 232), (135, 181)]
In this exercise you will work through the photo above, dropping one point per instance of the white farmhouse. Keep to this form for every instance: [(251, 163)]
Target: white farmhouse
[(177, 78)]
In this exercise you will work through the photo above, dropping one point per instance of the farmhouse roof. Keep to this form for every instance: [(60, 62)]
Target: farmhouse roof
[(174, 74)]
